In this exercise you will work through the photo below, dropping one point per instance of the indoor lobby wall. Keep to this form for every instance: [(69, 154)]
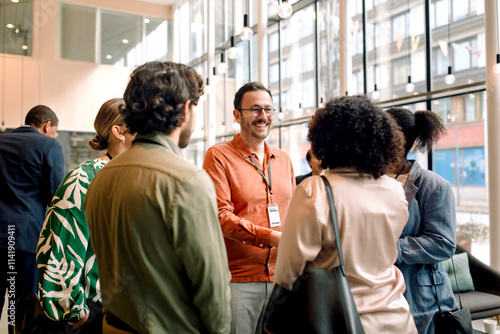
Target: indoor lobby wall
[(73, 89)]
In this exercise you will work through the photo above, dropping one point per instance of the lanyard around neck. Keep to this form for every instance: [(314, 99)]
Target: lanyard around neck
[(269, 184)]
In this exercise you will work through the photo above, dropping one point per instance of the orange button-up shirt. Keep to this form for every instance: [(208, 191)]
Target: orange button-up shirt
[(242, 198)]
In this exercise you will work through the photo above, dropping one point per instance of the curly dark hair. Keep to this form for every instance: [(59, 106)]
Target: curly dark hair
[(156, 94), (422, 128), (351, 131)]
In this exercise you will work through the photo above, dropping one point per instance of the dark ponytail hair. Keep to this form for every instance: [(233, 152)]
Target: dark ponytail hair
[(422, 128)]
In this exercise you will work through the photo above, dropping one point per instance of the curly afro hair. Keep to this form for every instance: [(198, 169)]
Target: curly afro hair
[(352, 132), (422, 128), (156, 94)]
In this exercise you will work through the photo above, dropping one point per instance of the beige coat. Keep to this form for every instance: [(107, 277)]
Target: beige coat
[(372, 214)]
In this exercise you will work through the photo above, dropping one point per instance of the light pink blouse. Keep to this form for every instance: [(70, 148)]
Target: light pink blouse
[(371, 215)]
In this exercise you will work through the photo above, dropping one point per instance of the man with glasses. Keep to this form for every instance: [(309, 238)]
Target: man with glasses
[(254, 183)]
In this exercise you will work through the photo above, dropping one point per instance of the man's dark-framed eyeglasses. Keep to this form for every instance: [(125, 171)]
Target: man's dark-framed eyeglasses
[(256, 111)]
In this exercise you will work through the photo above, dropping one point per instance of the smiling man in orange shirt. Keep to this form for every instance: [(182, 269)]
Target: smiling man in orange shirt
[(254, 183)]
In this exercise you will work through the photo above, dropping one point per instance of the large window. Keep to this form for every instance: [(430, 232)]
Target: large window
[(109, 37), (304, 54), (16, 27)]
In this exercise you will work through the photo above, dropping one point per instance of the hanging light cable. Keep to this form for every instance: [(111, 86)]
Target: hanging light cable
[(375, 93), (232, 53), (496, 68), (450, 78), (410, 86), (285, 9)]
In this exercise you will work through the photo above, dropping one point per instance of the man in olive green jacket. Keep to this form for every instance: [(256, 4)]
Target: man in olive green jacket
[(153, 220)]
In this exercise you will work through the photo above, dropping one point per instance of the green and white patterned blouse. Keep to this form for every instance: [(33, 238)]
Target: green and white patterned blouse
[(67, 267)]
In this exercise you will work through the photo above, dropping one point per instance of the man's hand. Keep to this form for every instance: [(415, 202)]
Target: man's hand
[(274, 238)]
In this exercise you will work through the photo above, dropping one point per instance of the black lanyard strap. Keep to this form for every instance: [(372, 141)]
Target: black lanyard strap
[(269, 184), (402, 169)]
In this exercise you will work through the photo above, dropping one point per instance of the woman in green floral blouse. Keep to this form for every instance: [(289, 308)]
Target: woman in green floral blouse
[(67, 267)]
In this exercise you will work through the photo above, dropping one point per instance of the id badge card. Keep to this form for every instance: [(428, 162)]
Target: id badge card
[(274, 214)]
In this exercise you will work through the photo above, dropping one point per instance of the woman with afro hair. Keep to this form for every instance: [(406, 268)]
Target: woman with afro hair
[(357, 142), (429, 235)]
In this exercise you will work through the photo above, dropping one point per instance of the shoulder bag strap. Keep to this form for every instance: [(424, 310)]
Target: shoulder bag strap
[(456, 282), (333, 215)]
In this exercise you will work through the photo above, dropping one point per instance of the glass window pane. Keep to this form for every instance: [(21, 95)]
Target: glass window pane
[(460, 157), (195, 152), (158, 41), (121, 39), (78, 31), (198, 29), (399, 36), (460, 45), (254, 59), (16, 30), (298, 65)]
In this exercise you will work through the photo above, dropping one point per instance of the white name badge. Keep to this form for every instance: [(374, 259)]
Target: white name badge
[(274, 215)]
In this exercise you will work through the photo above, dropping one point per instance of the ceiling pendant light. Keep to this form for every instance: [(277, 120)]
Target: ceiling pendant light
[(246, 33), (208, 88), (496, 68), (450, 78), (232, 53), (375, 93), (285, 9), (410, 87), (222, 67)]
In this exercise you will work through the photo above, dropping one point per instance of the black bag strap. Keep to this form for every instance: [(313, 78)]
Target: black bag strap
[(456, 282), (333, 215)]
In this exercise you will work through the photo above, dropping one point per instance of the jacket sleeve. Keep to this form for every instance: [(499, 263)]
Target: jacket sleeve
[(436, 242), (53, 172), (62, 248), (199, 244), (233, 227)]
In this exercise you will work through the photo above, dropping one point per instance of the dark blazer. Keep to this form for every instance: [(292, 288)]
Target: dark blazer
[(31, 169), (301, 178)]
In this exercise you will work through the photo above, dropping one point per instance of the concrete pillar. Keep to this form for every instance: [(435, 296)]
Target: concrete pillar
[(492, 126), (345, 66), (263, 54), (210, 111)]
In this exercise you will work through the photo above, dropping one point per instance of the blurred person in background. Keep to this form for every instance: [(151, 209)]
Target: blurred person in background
[(315, 165)]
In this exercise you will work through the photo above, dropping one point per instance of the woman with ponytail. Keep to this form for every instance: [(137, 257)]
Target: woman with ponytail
[(429, 235), (67, 268)]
